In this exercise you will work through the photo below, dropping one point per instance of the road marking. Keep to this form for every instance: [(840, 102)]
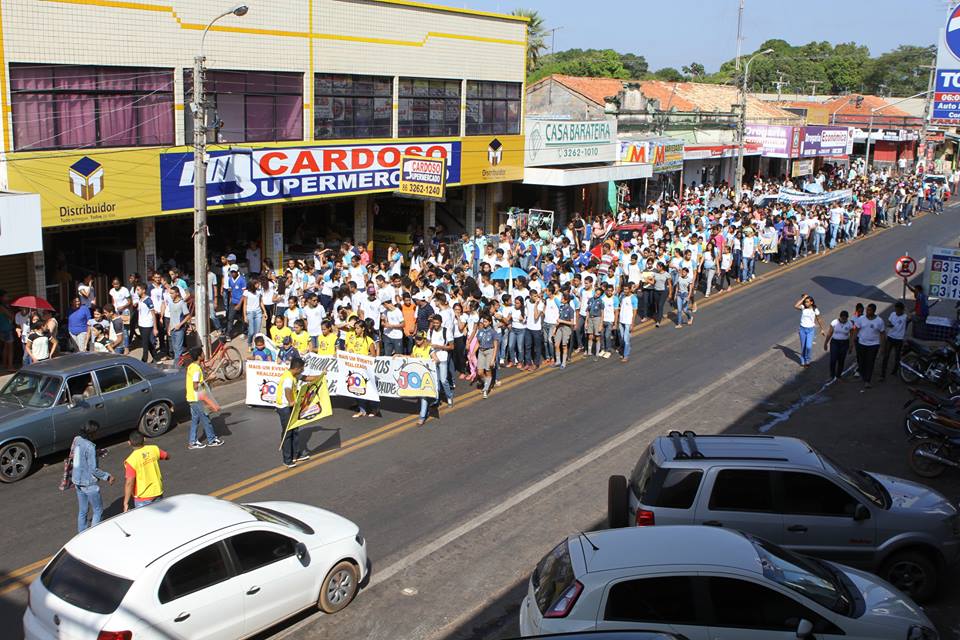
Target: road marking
[(15, 579)]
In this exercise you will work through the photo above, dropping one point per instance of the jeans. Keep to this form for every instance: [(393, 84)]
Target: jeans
[(834, 230), (625, 339), (177, 336), (659, 300), (517, 347), (392, 346), (214, 320), (424, 408), (746, 268), (232, 313), (608, 336), (290, 447), (254, 318), (838, 354), (198, 417), (682, 310), (818, 240), (443, 375), (708, 274), (806, 345), (546, 336), (89, 498), (142, 502), (534, 346)]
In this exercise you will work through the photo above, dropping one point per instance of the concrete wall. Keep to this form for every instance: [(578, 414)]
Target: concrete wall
[(552, 98)]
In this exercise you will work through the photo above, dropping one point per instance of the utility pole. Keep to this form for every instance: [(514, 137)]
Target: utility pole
[(813, 90), (742, 124), (927, 113), (739, 33), (553, 39)]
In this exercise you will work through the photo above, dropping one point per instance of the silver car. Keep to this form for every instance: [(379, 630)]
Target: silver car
[(710, 584), (787, 492)]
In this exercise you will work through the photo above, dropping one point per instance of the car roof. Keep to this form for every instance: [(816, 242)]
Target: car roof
[(668, 545), (620, 634), (124, 545), (748, 449), (75, 363)]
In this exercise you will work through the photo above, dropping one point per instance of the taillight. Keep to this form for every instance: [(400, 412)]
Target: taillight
[(562, 607), (645, 518), (115, 635)]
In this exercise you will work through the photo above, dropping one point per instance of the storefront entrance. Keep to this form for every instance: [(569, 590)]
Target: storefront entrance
[(105, 251), (231, 231)]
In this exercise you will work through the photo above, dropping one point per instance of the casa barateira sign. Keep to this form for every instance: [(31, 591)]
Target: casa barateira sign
[(556, 142)]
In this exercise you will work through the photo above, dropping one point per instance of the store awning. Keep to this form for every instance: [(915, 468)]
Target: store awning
[(571, 176), (20, 223)]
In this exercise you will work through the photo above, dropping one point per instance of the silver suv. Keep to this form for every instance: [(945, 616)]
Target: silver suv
[(787, 492)]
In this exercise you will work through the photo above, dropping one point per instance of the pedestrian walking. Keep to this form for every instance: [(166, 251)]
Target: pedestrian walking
[(809, 321), (869, 331), (286, 397), (896, 331), (85, 475), (838, 340), (143, 482), (200, 401)]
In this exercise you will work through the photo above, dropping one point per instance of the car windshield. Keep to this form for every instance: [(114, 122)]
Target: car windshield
[(264, 514), (552, 576), (72, 581), (801, 575), (31, 390), (859, 481)]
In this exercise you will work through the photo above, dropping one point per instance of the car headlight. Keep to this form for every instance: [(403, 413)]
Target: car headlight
[(359, 539), (918, 632)]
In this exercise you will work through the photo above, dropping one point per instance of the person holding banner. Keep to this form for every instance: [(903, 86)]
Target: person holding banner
[(421, 349), (286, 397), (359, 341)]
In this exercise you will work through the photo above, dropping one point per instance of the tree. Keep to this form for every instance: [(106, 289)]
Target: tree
[(900, 71), (595, 63), (694, 70), (536, 37), (668, 74), (636, 66)]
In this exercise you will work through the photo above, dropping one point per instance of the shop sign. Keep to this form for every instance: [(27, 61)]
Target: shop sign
[(936, 136), (554, 142), (775, 141), (664, 155), (423, 178), (892, 135), (20, 223), (802, 168), (824, 141), (88, 186), (946, 106)]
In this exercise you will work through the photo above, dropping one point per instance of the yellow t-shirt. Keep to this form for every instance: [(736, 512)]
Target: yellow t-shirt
[(356, 344), (301, 341), (327, 344), (287, 381), (145, 463), (277, 335), (421, 352), (194, 374)]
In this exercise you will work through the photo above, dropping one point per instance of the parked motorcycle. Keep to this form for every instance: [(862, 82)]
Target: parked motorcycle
[(925, 404), (939, 447), (940, 367)]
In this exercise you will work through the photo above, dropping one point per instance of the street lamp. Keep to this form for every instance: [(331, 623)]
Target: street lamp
[(873, 112), (199, 109), (742, 129)]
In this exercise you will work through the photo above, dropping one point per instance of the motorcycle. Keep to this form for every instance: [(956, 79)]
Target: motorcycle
[(939, 449), (940, 367), (924, 405)]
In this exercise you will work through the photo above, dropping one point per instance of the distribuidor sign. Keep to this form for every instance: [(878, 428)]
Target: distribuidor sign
[(554, 142), (423, 178)]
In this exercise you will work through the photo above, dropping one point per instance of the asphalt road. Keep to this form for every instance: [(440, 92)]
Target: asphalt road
[(456, 512)]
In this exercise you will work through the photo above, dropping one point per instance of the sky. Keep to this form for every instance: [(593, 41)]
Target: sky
[(674, 33)]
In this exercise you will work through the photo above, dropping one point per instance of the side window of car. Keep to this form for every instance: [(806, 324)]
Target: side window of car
[(111, 379), (678, 490), (81, 387), (809, 494), (256, 549), (742, 490), (199, 570), (668, 600), (132, 376), (747, 605)]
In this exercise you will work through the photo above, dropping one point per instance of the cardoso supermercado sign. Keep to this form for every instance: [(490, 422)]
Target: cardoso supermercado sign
[(553, 142)]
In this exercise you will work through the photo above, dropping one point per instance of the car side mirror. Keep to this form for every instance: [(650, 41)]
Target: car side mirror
[(860, 513), (804, 629), (301, 550)]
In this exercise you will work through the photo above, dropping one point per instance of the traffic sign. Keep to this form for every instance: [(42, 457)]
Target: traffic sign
[(905, 266)]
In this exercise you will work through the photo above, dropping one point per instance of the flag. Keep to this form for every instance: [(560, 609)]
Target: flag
[(313, 403)]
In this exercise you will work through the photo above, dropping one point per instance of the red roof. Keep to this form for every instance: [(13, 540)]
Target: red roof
[(594, 89), (869, 102)]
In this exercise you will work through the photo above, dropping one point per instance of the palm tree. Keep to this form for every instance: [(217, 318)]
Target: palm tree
[(536, 36)]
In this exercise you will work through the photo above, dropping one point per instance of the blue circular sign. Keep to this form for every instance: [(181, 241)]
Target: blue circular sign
[(953, 32)]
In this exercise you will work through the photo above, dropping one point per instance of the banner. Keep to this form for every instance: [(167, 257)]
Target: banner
[(792, 196), (391, 377), (824, 141), (424, 178), (775, 141), (313, 403)]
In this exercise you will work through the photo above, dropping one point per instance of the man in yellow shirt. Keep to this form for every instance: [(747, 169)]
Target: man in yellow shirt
[(197, 398), (286, 397), (142, 479)]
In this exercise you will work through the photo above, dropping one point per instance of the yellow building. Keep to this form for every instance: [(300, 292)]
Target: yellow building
[(312, 103)]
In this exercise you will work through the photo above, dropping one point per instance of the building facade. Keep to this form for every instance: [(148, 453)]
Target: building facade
[(312, 103)]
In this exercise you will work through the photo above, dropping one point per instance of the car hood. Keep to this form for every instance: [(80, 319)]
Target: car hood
[(10, 412), (884, 604), (327, 526), (914, 497)]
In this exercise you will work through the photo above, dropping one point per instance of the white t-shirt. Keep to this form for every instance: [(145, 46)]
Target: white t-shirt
[(314, 317), (808, 318), (841, 330), (253, 299), (145, 314), (120, 297), (533, 322), (437, 338), (868, 331), (551, 312), (627, 309), (394, 316), (372, 310), (897, 325), (517, 318)]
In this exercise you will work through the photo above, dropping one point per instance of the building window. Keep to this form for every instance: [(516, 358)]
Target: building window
[(429, 107), (352, 106), (250, 106), (493, 107), (70, 106)]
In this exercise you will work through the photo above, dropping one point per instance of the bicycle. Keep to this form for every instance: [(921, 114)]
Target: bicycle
[(225, 362)]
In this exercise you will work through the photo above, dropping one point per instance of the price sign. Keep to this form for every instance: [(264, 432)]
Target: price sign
[(943, 273), (905, 266)]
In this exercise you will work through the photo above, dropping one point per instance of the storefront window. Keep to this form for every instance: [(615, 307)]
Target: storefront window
[(429, 107), (348, 106), (251, 106), (493, 107), (70, 106)]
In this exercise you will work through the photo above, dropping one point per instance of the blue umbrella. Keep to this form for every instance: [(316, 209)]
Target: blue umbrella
[(508, 273)]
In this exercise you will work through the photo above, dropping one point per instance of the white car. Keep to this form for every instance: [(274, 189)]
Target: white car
[(196, 568), (710, 584)]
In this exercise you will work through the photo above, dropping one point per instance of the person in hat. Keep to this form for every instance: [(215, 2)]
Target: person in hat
[(237, 285), (286, 351)]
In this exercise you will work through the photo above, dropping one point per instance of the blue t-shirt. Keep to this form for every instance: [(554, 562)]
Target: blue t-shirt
[(237, 287), (77, 321)]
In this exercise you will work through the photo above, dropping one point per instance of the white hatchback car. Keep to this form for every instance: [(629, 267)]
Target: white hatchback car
[(197, 568), (710, 584)]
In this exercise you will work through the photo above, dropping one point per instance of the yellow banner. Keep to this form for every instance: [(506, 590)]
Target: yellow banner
[(487, 159), (89, 186), (313, 403)]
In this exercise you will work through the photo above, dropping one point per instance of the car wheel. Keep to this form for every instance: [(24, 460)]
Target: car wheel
[(16, 460), (923, 466), (913, 573), (617, 503), (156, 420), (339, 587), (915, 412), (232, 364), (906, 375)]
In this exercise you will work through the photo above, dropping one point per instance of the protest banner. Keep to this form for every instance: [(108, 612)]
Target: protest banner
[(355, 377), (406, 377), (261, 380), (313, 403)]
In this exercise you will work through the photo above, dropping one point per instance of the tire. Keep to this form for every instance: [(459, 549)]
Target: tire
[(16, 460), (232, 367), (617, 503), (907, 376), (339, 587), (924, 467), (914, 573), (917, 410), (156, 420)]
